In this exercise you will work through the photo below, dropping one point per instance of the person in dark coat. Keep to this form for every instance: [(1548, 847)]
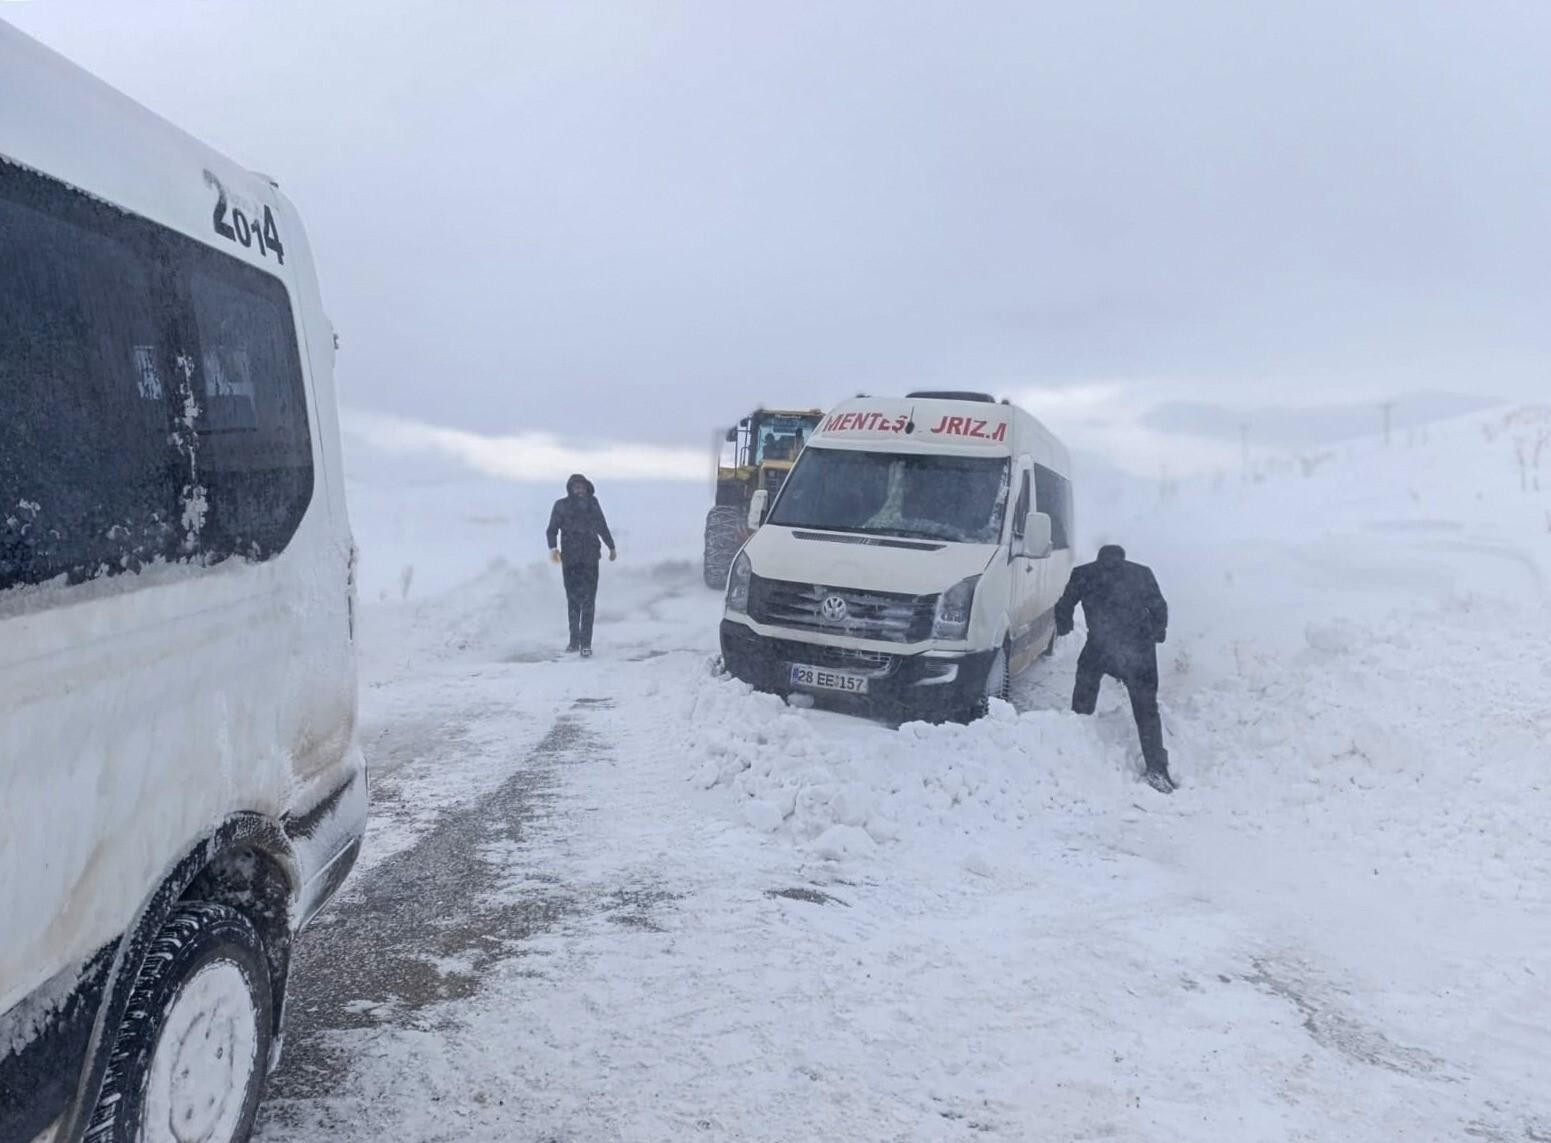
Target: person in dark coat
[(576, 525), (1127, 619)]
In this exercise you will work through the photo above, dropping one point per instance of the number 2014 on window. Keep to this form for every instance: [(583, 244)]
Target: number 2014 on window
[(236, 226)]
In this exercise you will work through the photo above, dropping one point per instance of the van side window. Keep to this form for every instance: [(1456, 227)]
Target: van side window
[(1053, 497), (254, 452), (152, 407), (89, 479), (1020, 510)]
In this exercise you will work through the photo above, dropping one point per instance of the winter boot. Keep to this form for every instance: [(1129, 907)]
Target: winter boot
[(586, 652), (1159, 780)]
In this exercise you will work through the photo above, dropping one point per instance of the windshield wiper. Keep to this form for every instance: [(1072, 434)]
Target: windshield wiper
[(902, 533), (822, 527), (921, 534)]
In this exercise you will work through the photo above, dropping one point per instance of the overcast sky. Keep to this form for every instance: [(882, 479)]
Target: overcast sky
[(636, 220)]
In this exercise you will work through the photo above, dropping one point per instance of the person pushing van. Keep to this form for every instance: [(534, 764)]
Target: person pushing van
[(1127, 619), (576, 524)]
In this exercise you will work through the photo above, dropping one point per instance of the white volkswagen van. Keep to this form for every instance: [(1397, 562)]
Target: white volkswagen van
[(913, 558), (180, 782)]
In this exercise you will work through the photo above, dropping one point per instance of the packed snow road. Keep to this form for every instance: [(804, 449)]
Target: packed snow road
[(625, 899)]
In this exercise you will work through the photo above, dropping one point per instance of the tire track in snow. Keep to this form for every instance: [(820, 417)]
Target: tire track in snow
[(421, 927)]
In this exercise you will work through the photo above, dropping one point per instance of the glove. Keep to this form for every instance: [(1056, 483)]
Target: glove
[(613, 554), (1063, 629), (554, 555)]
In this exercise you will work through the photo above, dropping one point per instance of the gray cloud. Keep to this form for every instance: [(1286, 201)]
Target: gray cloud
[(631, 221)]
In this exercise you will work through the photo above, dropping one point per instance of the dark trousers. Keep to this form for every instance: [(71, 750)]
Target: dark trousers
[(1141, 681), (581, 595)]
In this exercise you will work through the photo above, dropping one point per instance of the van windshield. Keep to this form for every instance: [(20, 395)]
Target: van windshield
[(959, 499)]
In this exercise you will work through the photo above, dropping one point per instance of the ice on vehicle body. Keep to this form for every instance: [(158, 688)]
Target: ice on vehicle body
[(177, 679)]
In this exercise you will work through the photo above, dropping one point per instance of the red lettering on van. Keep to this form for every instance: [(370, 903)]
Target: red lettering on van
[(971, 427)]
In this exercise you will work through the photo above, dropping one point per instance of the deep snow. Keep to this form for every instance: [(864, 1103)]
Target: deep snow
[(789, 923)]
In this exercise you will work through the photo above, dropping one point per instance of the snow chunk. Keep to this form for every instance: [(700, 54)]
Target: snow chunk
[(763, 816), (841, 841)]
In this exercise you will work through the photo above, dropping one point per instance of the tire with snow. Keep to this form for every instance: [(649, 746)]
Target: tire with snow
[(998, 685), (723, 538), (999, 678), (191, 1056)]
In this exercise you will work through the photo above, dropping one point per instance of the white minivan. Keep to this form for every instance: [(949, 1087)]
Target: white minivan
[(181, 786), (913, 558)]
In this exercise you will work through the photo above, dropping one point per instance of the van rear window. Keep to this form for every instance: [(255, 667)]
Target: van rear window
[(152, 406)]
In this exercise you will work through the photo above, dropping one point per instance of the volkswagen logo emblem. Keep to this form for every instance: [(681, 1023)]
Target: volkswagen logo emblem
[(833, 609)]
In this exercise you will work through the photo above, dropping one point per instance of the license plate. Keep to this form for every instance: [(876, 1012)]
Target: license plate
[(823, 679)]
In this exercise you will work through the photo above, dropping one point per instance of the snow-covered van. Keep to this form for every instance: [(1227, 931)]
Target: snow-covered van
[(914, 557), (181, 786)]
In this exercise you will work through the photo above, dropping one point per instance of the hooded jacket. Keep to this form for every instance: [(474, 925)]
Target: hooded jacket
[(576, 524), (1126, 613)]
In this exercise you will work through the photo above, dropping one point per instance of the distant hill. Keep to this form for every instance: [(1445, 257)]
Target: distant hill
[(1290, 426)]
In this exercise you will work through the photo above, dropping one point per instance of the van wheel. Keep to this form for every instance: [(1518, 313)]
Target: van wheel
[(998, 685), (191, 1055), (999, 677)]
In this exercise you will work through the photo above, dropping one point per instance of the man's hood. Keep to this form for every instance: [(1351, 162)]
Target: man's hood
[(577, 477)]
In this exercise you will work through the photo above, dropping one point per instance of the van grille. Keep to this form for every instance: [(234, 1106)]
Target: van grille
[(877, 615), (875, 664)]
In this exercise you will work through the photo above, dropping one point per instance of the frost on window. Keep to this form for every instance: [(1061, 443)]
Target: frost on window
[(152, 404), (150, 381), (917, 496), (228, 390), (88, 485), (254, 451)]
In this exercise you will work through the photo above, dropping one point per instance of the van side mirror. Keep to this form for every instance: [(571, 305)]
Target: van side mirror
[(1036, 542), (757, 505), (732, 436)]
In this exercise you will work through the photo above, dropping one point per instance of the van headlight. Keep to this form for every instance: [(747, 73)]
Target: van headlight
[(738, 581), (953, 606)]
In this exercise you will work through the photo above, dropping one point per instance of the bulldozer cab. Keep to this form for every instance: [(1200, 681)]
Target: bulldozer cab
[(754, 455), (759, 451)]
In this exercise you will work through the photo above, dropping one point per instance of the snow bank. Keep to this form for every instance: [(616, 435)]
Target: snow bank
[(843, 786), (1351, 644), (1336, 929)]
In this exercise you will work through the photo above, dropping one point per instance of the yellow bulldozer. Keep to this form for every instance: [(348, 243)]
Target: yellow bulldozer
[(753, 456)]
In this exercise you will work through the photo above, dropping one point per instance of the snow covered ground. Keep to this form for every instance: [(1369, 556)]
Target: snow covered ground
[(626, 899)]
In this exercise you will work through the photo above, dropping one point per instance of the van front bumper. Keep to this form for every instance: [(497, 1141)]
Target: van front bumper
[(927, 685)]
